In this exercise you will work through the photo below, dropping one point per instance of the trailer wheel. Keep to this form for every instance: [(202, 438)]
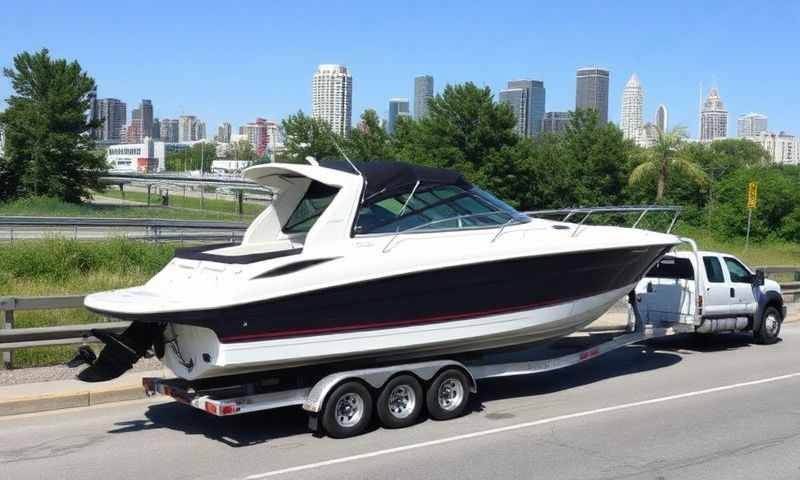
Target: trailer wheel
[(400, 402), (770, 326), (348, 410), (448, 395)]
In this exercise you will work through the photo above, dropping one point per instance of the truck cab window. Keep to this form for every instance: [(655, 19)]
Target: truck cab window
[(739, 274), (714, 270)]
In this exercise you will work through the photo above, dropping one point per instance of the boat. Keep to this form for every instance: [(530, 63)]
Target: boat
[(371, 262)]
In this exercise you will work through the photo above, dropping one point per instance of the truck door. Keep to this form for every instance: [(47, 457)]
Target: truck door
[(743, 300), (718, 291)]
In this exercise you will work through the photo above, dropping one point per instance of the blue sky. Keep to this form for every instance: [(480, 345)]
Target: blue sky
[(234, 61)]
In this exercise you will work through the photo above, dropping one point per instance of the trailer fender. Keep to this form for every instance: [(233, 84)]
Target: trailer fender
[(377, 377)]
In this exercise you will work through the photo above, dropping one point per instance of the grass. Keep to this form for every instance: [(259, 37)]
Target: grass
[(210, 203), (58, 266), (51, 207), (772, 252)]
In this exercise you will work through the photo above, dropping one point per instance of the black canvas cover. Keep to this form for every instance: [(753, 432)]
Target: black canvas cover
[(384, 177)]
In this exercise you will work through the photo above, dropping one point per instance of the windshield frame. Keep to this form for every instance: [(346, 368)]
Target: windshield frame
[(495, 206)]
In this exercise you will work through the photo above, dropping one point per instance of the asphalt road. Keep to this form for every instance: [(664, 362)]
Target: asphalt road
[(681, 408)]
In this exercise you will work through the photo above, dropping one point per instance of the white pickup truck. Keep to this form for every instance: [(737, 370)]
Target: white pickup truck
[(724, 295)]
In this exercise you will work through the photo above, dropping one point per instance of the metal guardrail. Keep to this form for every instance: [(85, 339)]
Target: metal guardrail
[(151, 229)]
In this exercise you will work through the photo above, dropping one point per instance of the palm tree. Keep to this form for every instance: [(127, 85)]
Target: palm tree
[(666, 153)]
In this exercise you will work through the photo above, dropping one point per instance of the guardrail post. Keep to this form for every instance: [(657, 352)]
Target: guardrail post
[(7, 307)]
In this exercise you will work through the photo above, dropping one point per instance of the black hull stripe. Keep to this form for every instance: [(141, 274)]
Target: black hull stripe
[(431, 296)]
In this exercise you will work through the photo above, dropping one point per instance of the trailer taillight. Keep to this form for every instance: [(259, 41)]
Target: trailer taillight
[(229, 409), (211, 408)]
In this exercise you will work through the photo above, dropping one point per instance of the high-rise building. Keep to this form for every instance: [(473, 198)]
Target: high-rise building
[(224, 133), (648, 135), (146, 109), (526, 98), (751, 125), (423, 91), (156, 130), (332, 97), (186, 129), (170, 130), (713, 118), (199, 130), (258, 134), (662, 118), (591, 90), (113, 113), (556, 122), (632, 106), (93, 113), (783, 148), (398, 107)]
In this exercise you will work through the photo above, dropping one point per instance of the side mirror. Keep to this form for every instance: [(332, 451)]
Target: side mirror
[(758, 278)]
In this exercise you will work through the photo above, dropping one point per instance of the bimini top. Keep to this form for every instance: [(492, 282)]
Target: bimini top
[(385, 177)]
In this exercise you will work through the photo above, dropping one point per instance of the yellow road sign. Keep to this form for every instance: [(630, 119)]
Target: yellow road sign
[(752, 195)]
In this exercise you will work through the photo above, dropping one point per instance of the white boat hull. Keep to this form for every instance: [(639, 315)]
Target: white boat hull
[(210, 358)]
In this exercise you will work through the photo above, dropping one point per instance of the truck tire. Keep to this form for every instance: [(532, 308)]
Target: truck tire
[(448, 395), (347, 411), (769, 328), (400, 402)]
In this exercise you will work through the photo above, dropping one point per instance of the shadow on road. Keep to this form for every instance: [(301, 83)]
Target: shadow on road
[(236, 431), (695, 343)]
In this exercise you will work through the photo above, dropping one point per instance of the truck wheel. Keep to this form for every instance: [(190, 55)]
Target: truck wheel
[(448, 395), (770, 327), (348, 410), (400, 402)]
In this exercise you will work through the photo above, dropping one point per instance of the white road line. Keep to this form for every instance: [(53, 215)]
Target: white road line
[(493, 431)]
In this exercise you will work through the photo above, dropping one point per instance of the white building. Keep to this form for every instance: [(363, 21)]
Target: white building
[(2, 141), (751, 125), (648, 135), (662, 118), (332, 97), (783, 148), (136, 157), (632, 105), (713, 118)]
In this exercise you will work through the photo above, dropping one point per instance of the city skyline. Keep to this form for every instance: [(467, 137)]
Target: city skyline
[(453, 49)]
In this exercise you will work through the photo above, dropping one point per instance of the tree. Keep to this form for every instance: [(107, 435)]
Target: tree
[(595, 158), (667, 153), (369, 141), (307, 136), (48, 148), (463, 128), (199, 155), (242, 149)]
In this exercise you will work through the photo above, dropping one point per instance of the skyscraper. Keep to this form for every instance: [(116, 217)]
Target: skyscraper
[(423, 91), (199, 130), (556, 122), (113, 113), (186, 128), (224, 133), (94, 112), (632, 105), (662, 118), (398, 107), (156, 130), (526, 98), (170, 130), (591, 90), (713, 118), (751, 125), (146, 108), (332, 97), (258, 134)]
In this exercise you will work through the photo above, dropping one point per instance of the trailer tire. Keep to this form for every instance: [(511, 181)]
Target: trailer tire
[(448, 395), (400, 402), (769, 328), (347, 411)]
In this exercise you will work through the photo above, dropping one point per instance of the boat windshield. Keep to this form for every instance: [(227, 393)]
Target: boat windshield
[(311, 206), (437, 207)]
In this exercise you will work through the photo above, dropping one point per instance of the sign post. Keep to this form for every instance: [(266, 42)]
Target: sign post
[(752, 202)]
